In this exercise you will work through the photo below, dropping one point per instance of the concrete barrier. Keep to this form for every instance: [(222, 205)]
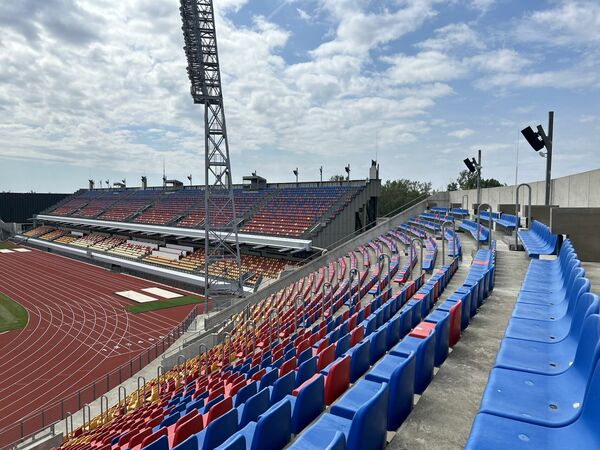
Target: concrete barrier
[(581, 225)]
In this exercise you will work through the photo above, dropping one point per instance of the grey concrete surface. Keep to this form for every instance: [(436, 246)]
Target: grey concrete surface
[(443, 415), (582, 226), (577, 190)]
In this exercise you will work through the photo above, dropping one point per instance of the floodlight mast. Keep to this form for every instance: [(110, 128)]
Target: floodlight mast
[(220, 224)]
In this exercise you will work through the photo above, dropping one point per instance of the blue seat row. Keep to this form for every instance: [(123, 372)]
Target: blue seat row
[(544, 389), (471, 227), (359, 418), (538, 240), (508, 221)]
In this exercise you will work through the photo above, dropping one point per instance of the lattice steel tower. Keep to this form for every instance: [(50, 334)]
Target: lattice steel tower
[(222, 252)]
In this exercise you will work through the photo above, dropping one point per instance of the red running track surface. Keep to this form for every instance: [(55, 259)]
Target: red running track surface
[(77, 332)]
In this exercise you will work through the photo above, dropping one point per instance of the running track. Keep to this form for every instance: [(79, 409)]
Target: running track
[(77, 331)]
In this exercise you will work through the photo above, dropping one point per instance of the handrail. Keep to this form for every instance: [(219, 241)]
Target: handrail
[(124, 399), (517, 211), (353, 273), (299, 298), (89, 415), (138, 391), (488, 206), (453, 223), (325, 286), (410, 266)]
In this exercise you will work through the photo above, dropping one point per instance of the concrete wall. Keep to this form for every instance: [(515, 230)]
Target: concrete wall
[(582, 226), (342, 226), (578, 190)]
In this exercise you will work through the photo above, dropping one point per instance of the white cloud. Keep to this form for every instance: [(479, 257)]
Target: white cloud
[(570, 22), (303, 15), (455, 36), (461, 134), (425, 67)]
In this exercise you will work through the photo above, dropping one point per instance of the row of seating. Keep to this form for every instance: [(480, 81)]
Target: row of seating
[(509, 222), (538, 240), (382, 400), (471, 227), (271, 355), (544, 389)]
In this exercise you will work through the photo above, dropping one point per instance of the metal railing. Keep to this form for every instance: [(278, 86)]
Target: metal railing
[(42, 422)]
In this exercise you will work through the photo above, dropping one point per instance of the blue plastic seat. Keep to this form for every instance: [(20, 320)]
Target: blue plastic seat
[(405, 315), (282, 387), (399, 372), (365, 430), (306, 370), (268, 378), (308, 403), (542, 357), (217, 432), (342, 345), (305, 355), (548, 400), (245, 393), (493, 432), (442, 331), (557, 311), (312, 439), (392, 332), (254, 407), (377, 345), (359, 359), (272, 431), (424, 350), (236, 442), (550, 331)]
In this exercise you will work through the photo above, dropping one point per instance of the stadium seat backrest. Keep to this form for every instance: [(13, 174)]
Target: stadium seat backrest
[(235, 443), (282, 387), (586, 305), (158, 441), (310, 402), (370, 417), (218, 409), (217, 431), (191, 426), (306, 370), (245, 393), (274, 427), (337, 379), (268, 379), (326, 357), (254, 407), (588, 348)]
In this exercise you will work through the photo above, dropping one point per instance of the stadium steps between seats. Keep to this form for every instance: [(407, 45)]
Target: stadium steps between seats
[(452, 399)]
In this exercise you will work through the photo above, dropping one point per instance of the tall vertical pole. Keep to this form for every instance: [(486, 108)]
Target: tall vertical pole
[(549, 145), (478, 177)]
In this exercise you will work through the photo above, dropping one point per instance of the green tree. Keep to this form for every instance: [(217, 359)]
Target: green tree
[(468, 180), (338, 178), (396, 193)]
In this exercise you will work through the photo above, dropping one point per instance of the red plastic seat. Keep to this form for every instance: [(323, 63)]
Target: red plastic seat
[(337, 379), (326, 357), (422, 330), (184, 430), (357, 335), (217, 410), (455, 319), (287, 366), (152, 437), (214, 393)]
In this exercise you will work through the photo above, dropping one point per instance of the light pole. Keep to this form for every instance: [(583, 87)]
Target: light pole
[(295, 171), (538, 140), (475, 166)]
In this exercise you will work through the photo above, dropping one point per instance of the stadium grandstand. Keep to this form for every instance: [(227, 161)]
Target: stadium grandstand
[(295, 315)]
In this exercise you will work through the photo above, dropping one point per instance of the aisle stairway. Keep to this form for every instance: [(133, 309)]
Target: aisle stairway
[(443, 415)]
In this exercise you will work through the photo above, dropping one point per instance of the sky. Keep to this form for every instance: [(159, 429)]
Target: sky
[(98, 89)]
